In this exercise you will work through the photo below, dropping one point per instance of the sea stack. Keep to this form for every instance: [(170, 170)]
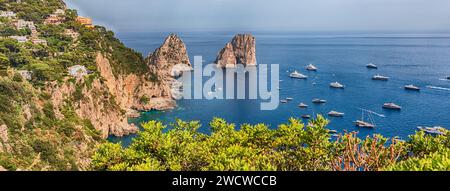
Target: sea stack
[(169, 60), (241, 50)]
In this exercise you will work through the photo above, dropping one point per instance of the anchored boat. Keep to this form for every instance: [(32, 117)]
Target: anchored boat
[(412, 87), (365, 124), (336, 114), (311, 67), (283, 101), (380, 78), (372, 66), (392, 106), (297, 75), (319, 101), (337, 85), (302, 105), (289, 99), (306, 116), (437, 130)]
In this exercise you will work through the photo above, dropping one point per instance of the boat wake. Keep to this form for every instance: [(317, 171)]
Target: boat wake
[(443, 79), (438, 88)]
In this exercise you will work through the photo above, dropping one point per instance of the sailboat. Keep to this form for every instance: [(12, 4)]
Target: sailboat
[(363, 123)]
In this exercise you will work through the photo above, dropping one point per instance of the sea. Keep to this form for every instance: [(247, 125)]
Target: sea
[(421, 59)]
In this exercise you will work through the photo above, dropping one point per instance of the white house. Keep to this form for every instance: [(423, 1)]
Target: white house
[(22, 24), (60, 12), (69, 32), (8, 14), (20, 39), (25, 74), (78, 71)]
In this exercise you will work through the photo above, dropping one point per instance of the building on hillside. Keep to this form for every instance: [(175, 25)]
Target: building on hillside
[(20, 39), (78, 71), (59, 12), (73, 34), (8, 14), (53, 19), (25, 74), (85, 21), (22, 24), (39, 41)]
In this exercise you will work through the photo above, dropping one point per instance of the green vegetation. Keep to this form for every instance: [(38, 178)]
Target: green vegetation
[(291, 147)]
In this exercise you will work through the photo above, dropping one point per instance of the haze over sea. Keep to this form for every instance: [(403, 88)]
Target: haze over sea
[(419, 59)]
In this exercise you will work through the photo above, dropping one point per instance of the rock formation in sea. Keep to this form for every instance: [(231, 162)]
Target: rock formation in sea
[(241, 50)]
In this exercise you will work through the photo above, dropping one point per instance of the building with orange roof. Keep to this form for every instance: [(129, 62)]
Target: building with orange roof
[(87, 22)]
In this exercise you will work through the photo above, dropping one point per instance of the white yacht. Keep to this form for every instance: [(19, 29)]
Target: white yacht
[(437, 130), (302, 105), (392, 106), (311, 67), (289, 99), (380, 77), (298, 75), (336, 114), (372, 66), (412, 87), (337, 85)]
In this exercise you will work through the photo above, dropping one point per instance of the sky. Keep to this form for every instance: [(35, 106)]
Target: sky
[(268, 15)]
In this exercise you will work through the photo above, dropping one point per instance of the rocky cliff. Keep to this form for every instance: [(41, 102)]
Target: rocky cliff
[(107, 100), (241, 50)]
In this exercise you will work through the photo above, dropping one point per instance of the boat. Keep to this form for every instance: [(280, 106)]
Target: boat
[(283, 101), (298, 75), (437, 130), (372, 66), (448, 78), (336, 114), (380, 77), (319, 101), (412, 87), (302, 105), (365, 124), (306, 116), (289, 99), (332, 131), (311, 67), (337, 85), (392, 106)]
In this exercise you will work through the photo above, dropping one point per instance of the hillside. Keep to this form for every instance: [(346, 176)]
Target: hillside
[(65, 86)]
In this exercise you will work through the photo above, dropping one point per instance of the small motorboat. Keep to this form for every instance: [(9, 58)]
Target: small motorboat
[(298, 75), (372, 66), (392, 106), (311, 67), (319, 101), (448, 78), (364, 124), (289, 99), (380, 78), (302, 105), (332, 131), (437, 130), (283, 101), (306, 116), (337, 85), (336, 114), (412, 87)]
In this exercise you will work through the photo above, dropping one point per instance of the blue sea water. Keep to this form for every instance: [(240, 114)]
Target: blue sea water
[(420, 59)]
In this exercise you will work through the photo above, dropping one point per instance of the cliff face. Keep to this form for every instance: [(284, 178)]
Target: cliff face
[(241, 50), (107, 100)]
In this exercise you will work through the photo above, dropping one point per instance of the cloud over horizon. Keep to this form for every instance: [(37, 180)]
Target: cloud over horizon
[(283, 15)]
